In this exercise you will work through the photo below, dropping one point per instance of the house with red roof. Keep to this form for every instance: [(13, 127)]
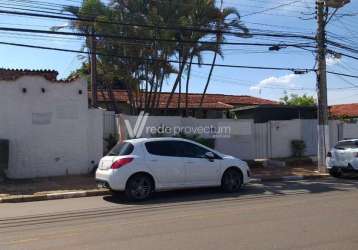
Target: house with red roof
[(349, 111), (213, 106)]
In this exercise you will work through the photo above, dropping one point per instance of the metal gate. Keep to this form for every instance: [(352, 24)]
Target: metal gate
[(4, 157)]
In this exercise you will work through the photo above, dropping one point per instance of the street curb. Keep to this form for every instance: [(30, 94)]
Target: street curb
[(53, 196), (289, 178), (95, 192)]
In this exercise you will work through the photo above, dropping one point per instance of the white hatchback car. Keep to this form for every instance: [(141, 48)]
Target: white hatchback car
[(343, 158), (141, 166)]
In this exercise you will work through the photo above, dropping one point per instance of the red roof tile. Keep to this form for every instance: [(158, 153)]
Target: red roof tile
[(344, 110), (214, 101)]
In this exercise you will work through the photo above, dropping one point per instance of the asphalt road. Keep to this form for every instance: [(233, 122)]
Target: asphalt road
[(314, 214)]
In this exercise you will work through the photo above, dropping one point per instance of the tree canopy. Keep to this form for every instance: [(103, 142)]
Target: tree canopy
[(296, 100), (148, 54)]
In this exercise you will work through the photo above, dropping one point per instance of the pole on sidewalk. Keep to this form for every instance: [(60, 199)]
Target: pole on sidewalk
[(323, 129), (93, 45)]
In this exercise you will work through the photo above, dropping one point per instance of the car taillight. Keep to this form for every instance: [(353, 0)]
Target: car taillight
[(329, 154), (121, 162)]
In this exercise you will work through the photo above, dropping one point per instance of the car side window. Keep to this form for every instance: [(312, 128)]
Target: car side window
[(161, 148), (347, 145), (187, 149)]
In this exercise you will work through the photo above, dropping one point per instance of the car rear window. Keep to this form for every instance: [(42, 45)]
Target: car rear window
[(346, 145), (124, 148)]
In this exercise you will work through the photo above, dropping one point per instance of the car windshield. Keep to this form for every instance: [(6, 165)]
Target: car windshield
[(125, 148), (347, 145)]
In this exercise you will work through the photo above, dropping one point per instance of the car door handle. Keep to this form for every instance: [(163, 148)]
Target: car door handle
[(154, 160), (189, 162)]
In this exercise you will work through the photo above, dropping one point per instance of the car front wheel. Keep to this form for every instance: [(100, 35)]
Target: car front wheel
[(231, 181), (139, 187)]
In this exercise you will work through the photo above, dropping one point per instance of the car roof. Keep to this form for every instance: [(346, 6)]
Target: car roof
[(142, 140), (348, 140)]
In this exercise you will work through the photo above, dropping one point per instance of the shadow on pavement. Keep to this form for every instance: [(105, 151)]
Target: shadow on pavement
[(187, 195), (252, 190)]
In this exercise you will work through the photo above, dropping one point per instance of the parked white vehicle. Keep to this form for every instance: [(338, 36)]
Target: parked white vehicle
[(343, 158), (142, 166)]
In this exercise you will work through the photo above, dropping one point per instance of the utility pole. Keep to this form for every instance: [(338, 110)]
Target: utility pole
[(323, 129), (93, 44)]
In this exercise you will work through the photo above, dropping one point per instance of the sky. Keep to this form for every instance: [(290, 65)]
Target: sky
[(258, 15)]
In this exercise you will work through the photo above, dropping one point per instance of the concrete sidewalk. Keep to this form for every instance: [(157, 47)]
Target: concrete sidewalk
[(288, 172), (49, 188), (83, 186)]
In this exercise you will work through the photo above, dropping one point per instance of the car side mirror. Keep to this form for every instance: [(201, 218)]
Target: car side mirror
[(210, 156)]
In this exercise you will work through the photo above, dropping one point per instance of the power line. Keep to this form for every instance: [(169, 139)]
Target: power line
[(31, 5), (59, 8), (179, 28), (33, 10), (269, 9), (342, 74), (147, 39), (298, 70), (346, 81)]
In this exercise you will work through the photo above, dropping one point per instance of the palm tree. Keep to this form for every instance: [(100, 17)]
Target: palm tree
[(148, 63), (147, 71), (222, 26), (91, 10), (205, 14)]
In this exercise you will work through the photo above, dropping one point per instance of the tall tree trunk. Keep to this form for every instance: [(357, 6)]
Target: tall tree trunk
[(208, 81), (136, 96), (130, 98), (187, 85), (155, 95), (150, 92), (104, 96), (215, 55), (160, 93), (141, 96), (181, 69), (159, 85), (111, 96), (146, 87), (179, 95)]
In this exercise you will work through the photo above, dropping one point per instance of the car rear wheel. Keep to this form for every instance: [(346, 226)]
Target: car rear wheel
[(335, 173), (231, 181), (139, 187)]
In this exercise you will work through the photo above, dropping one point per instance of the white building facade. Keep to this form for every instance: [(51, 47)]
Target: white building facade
[(51, 130)]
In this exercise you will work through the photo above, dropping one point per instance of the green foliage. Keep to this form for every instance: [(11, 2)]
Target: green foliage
[(296, 100), (111, 141), (298, 148), (130, 65)]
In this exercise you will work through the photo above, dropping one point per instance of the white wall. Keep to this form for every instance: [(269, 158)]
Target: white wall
[(52, 133), (350, 130), (262, 140), (240, 142), (109, 124), (282, 133)]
